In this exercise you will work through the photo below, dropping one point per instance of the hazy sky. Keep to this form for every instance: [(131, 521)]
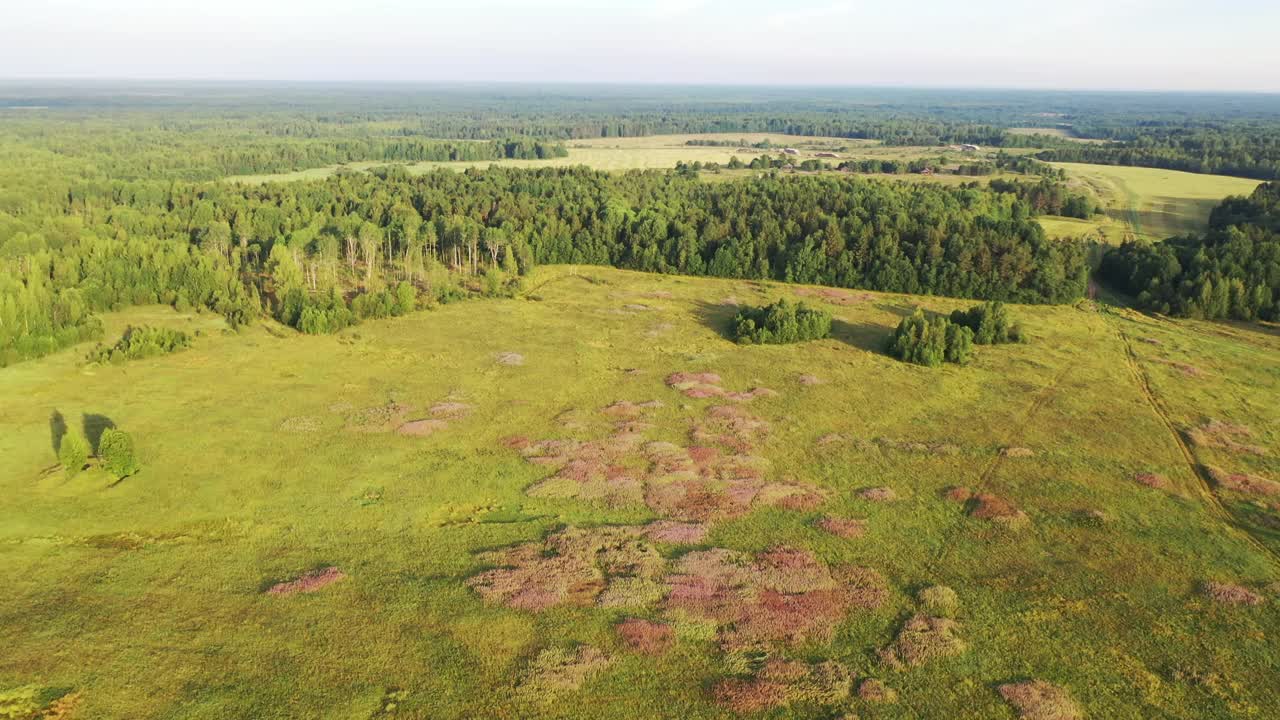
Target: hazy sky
[(1123, 44)]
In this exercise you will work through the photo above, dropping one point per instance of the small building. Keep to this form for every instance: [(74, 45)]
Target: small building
[(970, 148), (790, 151), (927, 171), (827, 154)]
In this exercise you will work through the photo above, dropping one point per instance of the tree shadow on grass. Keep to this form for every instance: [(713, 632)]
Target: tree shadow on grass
[(863, 335), (716, 316), (57, 430), (94, 426), (902, 311)]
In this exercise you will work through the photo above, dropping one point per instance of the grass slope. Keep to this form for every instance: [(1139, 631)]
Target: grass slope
[(147, 597), (1156, 203)]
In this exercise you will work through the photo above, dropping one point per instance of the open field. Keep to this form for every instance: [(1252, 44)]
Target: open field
[(658, 152), (1057, 132), (1156, 203), (268, 454), (1107, 228)]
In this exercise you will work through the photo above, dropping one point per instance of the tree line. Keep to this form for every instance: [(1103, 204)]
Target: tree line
[(1243, 151), (319, 255), (1230, 271)]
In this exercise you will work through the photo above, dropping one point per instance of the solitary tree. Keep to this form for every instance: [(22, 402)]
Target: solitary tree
[(115, 449), (73, 453)]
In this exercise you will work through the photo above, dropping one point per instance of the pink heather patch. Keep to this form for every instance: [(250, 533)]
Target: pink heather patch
[(844, 527), (675, 533), (645, 636), (681, 380), (449, 410), (1151, 480), (702, 455), (421, 428), (308, 582)]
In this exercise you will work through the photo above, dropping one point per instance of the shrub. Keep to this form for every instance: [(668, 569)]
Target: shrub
[(920, 340), (20, 703), (406, 299), (73, 453), (141, 342), (931, 341), (989, 322), (781, 322), (115, 449), (959, 343)]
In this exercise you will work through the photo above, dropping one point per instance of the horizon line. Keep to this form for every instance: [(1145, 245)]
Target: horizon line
[(89, 79)]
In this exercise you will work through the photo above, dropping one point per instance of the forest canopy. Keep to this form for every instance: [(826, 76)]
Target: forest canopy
[(298, 250)]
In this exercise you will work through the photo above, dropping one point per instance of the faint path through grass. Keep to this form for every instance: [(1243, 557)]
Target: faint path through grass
[(1203, 486)]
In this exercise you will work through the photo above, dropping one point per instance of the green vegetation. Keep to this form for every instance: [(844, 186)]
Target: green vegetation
[(141, 342), (989, 322), (1240, 149), (931, 341), (574, 496), (1232, 271), (320, 256), (115, 450), (1154, 204), (263, 463), (73, 453), (781, 322)]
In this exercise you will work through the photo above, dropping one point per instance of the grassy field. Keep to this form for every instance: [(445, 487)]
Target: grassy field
[(268, 454), (660, 152), (1155, 203), (1064, 133), (1104, 227)]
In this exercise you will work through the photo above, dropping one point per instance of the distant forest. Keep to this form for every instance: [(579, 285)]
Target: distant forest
[(282, 128)]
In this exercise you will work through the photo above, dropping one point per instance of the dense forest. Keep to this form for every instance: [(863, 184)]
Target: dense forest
[(320, 255), (1231, 271)]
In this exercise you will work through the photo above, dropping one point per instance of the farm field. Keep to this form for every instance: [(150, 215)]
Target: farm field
[(1057, 132), (1157, 203), (511, 508), (1107, 228), (657, 152)]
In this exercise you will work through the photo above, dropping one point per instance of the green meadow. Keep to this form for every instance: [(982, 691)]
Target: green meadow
[(1072, 491), (1153, 203)]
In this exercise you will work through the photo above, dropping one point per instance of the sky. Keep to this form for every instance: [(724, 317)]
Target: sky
[(1229, 45)]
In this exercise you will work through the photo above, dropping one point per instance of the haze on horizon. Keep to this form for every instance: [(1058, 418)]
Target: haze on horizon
[(1089, 44)]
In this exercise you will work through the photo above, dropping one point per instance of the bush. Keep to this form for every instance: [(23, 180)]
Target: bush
[(73, 453), (931, 341), (989, 322), (920, 340), (781, 322), (115, 449), (959, 343), (141, 342)]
